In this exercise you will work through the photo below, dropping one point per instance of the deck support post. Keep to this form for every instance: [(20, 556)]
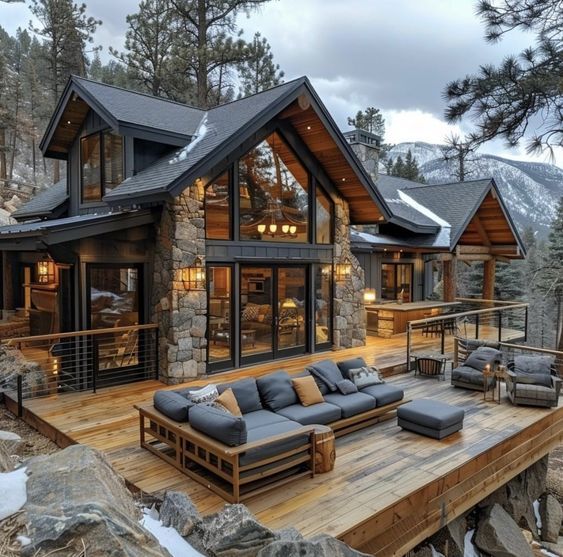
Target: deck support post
[(450, 279), (489, 268)]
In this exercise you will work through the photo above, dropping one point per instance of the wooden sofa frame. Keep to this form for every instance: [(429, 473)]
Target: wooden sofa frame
[(217, 466)]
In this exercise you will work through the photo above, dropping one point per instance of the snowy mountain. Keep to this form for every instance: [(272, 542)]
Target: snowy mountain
[(531, 190)]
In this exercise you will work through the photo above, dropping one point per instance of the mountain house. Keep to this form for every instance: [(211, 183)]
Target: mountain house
[(240, 232)]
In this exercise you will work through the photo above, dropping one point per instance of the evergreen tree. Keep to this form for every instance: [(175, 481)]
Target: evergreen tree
[(211, 46), (149, 42), (112, 73), (523, 93), (407, 168), (554, 272), (459, 153), (258, 71), (370, 120)]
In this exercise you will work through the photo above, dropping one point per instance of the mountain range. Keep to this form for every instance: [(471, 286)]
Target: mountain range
[(531, 190)]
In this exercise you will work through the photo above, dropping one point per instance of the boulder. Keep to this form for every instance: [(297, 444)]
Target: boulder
[(178, 512), (450, 540), (9, 443), (555, 548), (499, 536), (232, 532), (319, 546), (74, 497), (288, 535), (551, 515)]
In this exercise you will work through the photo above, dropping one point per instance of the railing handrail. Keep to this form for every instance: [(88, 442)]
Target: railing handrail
[(445, 317), (484, 300), (530, 348), (73, 334)]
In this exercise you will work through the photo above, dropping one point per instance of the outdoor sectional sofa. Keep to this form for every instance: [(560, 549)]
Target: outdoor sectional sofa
[(273, 442)]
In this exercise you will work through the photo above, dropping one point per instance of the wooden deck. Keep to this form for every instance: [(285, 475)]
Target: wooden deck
[(390, 489)]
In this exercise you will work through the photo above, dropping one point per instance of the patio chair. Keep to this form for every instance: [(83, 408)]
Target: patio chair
[(532, 381), (469, 375), (431, 367)]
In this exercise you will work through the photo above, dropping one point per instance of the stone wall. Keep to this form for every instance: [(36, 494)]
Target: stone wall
[(349, 329), (181, 314)]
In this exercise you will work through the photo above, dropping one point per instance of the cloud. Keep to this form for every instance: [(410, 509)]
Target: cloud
[(416, 125)]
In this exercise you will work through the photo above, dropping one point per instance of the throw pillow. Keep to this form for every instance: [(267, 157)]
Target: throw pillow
[(206, 394), (250, 312), (327, 371), (346, 387), (307, 390), (227, 400), (365, 376)]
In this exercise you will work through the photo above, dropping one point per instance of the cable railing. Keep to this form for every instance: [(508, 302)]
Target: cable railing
[(494, 320), (82, 361)]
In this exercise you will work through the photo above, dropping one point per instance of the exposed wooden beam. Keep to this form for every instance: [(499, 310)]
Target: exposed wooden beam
[(475, 257), (472, 249), (481, 230), (503, 259)]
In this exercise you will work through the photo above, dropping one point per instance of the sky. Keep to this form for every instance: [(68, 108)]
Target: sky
[(396, 55)]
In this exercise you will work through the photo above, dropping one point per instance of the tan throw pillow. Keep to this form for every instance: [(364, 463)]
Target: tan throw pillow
[(229, 402), (307, 390)]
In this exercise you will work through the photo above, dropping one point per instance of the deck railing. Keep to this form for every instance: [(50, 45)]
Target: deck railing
[(472, 318), (83, 360)]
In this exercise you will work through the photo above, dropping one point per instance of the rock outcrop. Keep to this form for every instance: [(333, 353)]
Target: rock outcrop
[(551, 515), (499, 536), (74, 500), (9, 443), (178, 511), (319, 546)]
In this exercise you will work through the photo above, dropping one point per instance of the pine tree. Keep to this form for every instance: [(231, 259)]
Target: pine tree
[(554, 271), (459, 153), (407, 168), (211, 46), (149, 42), (258, 71), (370, 120), (398, 167)]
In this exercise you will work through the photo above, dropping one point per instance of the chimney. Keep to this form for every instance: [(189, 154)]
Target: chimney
[(366, 146)]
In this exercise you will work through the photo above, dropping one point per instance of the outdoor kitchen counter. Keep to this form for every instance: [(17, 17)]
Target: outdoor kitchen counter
[(385, 320)]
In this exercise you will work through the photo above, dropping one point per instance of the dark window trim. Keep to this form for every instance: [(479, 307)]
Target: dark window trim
[(320, 186), (230, 173), (395, 287), (98, 202), (327, 345)]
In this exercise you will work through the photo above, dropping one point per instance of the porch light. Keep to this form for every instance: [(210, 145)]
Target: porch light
[(194, 277), (369, 295), (343, 271), (46, 271)]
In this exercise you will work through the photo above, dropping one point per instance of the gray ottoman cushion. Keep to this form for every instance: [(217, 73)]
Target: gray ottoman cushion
[(352, 404), (218, 424), (384, 393), (432, 414), (322, 413), (173, 405)]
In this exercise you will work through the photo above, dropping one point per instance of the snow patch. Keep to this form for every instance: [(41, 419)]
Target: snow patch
[(435, 553), (536, 505), (199, 134), (9, 436), (13, 494), (469, 549), (169, 538), (23, 541), (422, 209), (548, 553)]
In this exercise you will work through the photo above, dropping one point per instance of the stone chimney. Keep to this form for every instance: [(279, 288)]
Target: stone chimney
[(366, 145)]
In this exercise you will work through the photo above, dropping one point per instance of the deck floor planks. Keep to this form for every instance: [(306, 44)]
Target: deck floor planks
[(384, 477)]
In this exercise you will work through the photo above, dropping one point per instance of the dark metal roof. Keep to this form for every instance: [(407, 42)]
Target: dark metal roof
[(31, 235), (437, 241), (43, 203)]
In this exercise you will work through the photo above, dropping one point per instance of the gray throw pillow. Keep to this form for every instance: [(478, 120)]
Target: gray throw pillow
[(354, 363), (346, 387), (482, 357), (328, 372), (276, 390), (365, 376), (219, 425), (206, 394), (533, 370), (173, 405)]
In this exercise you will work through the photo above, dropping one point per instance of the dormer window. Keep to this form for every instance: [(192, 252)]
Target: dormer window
[(101, 160)]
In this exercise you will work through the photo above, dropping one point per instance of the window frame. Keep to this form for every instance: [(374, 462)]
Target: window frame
[(101, 134)]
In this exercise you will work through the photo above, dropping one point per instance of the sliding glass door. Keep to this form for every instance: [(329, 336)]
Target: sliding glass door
[(396, 281)]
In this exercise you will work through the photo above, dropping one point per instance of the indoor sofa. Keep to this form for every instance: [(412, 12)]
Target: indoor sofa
[(273, 441)]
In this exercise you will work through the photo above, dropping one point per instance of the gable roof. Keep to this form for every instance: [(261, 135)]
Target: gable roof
[(221, 131), (44, 203), (124, 110)]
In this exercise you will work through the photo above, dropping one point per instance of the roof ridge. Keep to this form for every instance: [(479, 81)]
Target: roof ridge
[(451, 183), (301, 78), (171, 101)]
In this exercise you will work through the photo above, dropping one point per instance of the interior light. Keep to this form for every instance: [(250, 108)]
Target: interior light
[(285, 228), (369, 295), (68, 121), (308, 127), (292, 229), (273, 228), (343, 179), (261, 228)]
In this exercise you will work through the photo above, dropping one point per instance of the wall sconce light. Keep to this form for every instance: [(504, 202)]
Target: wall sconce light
[(369, 295), (46, 271), (343, 271), (194, 277)]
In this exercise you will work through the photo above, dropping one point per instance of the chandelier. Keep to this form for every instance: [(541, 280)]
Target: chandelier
[(272, 228)]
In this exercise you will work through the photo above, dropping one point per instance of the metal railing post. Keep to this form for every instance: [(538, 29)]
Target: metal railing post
[(19, 386), (443, 341), (500, 325), (156, 353), (95, 363), (526, 324), (477, 320), (408, 346)]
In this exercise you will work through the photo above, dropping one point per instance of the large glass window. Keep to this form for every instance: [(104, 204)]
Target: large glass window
[(324, 218), (218, 209), (323, 304), (219, 311), (396, 281), (273, 190), (100, 174)]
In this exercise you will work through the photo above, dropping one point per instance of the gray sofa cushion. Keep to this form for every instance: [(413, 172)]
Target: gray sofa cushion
[(262, 418), (346, 365), (276, 390), (535, 392), (384, 393), (328, 372), (272, 449), (246, 393), (351, 404), (322, 413), (470, 375), (482, 357), (535, 370), (346, 387), (173, 405), (218, 424), (431, 413)]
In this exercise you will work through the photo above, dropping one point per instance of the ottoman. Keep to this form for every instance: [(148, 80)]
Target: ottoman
[(430, 417)]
